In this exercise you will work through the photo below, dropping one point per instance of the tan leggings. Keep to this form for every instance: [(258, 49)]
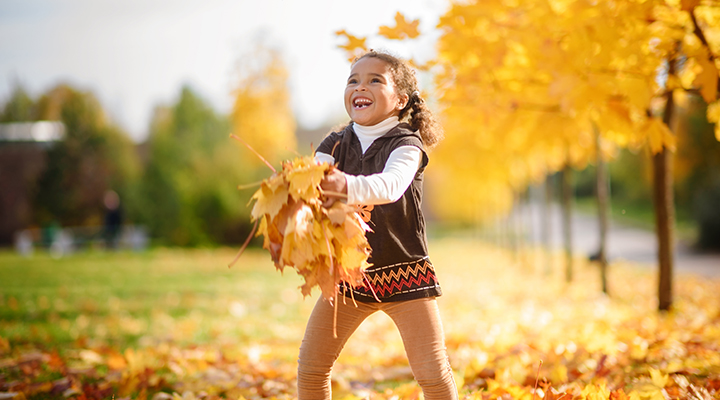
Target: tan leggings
[(420, 328)]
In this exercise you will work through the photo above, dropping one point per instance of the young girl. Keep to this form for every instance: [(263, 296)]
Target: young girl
[(382, 161)]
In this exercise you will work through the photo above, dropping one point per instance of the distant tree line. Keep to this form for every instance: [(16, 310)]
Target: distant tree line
[(182, 182)]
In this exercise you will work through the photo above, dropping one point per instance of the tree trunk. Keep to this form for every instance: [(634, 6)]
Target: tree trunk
[(602, 202), (567, 220), (664, 220), (665, 209), (545, 227)]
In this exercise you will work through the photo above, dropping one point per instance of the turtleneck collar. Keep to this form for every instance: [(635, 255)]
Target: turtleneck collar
[(368, 134)]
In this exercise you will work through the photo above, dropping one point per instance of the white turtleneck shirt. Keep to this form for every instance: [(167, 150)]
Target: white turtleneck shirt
[(397, 175)]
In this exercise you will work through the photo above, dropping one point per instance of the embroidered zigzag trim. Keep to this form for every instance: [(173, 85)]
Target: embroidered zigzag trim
[(402, 280), (399, 286), (379, 279)]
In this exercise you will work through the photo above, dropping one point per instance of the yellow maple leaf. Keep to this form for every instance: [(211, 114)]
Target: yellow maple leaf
[(354, 252), (659, 135), (304, 179), (338, 212), (688, 5), (297, 251), (648, 391), (402, 29), (301, 218), (275, 181), (320, 247), (707, 79), (595, 392), (354, 46), (268, 201), (658, 378), (352, 227), (559, 374)]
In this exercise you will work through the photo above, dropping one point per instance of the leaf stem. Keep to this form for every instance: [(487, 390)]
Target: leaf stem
[(537, 378), (253, 150), (242, 249), (249, 185), (334, 194)]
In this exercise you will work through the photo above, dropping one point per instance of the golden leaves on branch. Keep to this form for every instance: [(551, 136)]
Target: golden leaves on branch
[(707, 79), (528, 85), (658, 135), (326, 246)]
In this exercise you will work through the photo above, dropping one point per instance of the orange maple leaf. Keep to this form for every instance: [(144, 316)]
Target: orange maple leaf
[(402, 30), (353, 44)]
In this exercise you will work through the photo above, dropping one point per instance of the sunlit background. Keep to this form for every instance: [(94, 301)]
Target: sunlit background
[(572, 207), (137, 54)]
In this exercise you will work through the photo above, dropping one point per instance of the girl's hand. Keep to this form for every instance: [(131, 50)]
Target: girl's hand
[(334, 186)]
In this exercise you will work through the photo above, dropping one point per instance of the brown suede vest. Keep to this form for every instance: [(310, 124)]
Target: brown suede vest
[(401, 269)]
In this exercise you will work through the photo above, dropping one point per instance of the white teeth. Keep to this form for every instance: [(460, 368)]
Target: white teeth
[(362, 102)]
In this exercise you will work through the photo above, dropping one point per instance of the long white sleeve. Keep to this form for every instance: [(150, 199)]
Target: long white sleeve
[(384, 187), (324, 157)]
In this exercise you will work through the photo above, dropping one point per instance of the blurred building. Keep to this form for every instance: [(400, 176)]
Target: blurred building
[(23, 156)]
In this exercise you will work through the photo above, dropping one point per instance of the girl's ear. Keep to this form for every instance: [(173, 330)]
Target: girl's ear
[(402, 101)]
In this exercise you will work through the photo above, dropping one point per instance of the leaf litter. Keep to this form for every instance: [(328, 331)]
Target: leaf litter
[(512, 332)]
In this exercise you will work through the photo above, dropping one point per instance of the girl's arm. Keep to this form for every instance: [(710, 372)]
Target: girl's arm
[(381, 188)]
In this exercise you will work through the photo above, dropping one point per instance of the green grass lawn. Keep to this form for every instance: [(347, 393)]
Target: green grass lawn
[(137, 299)]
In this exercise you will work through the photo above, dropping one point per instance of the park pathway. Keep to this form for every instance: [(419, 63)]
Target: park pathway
[(624, 242)]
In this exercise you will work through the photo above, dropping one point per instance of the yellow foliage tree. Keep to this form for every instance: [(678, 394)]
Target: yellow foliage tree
[(262, 114), (529, 87), (524, 86), (542, 77)]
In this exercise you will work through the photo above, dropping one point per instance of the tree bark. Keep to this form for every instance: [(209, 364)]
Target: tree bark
[(602, 202), (567, 220), (665, 209), (664, 221)]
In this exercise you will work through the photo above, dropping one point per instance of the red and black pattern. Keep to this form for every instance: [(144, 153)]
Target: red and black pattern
[(400, 281)]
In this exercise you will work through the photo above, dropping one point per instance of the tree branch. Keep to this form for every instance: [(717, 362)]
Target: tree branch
[(703, 39)]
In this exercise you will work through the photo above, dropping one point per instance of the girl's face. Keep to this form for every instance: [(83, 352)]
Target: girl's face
[(370, 95)]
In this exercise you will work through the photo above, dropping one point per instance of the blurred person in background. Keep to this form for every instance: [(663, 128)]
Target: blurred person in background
[(113, 219)]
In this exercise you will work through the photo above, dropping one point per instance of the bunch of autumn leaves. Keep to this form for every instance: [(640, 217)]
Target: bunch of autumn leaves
[(326, 246)]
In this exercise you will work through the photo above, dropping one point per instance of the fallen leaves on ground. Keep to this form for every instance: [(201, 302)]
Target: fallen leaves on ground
[(512, 330)]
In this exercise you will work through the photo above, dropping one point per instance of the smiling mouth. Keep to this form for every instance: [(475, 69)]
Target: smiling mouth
[(361, 102)]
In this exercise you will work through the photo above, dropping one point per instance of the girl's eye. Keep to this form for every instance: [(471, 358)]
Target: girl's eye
[(352, 81), (375, 80)]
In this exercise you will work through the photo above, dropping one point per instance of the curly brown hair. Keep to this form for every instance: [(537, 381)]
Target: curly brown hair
[(416, 112)]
